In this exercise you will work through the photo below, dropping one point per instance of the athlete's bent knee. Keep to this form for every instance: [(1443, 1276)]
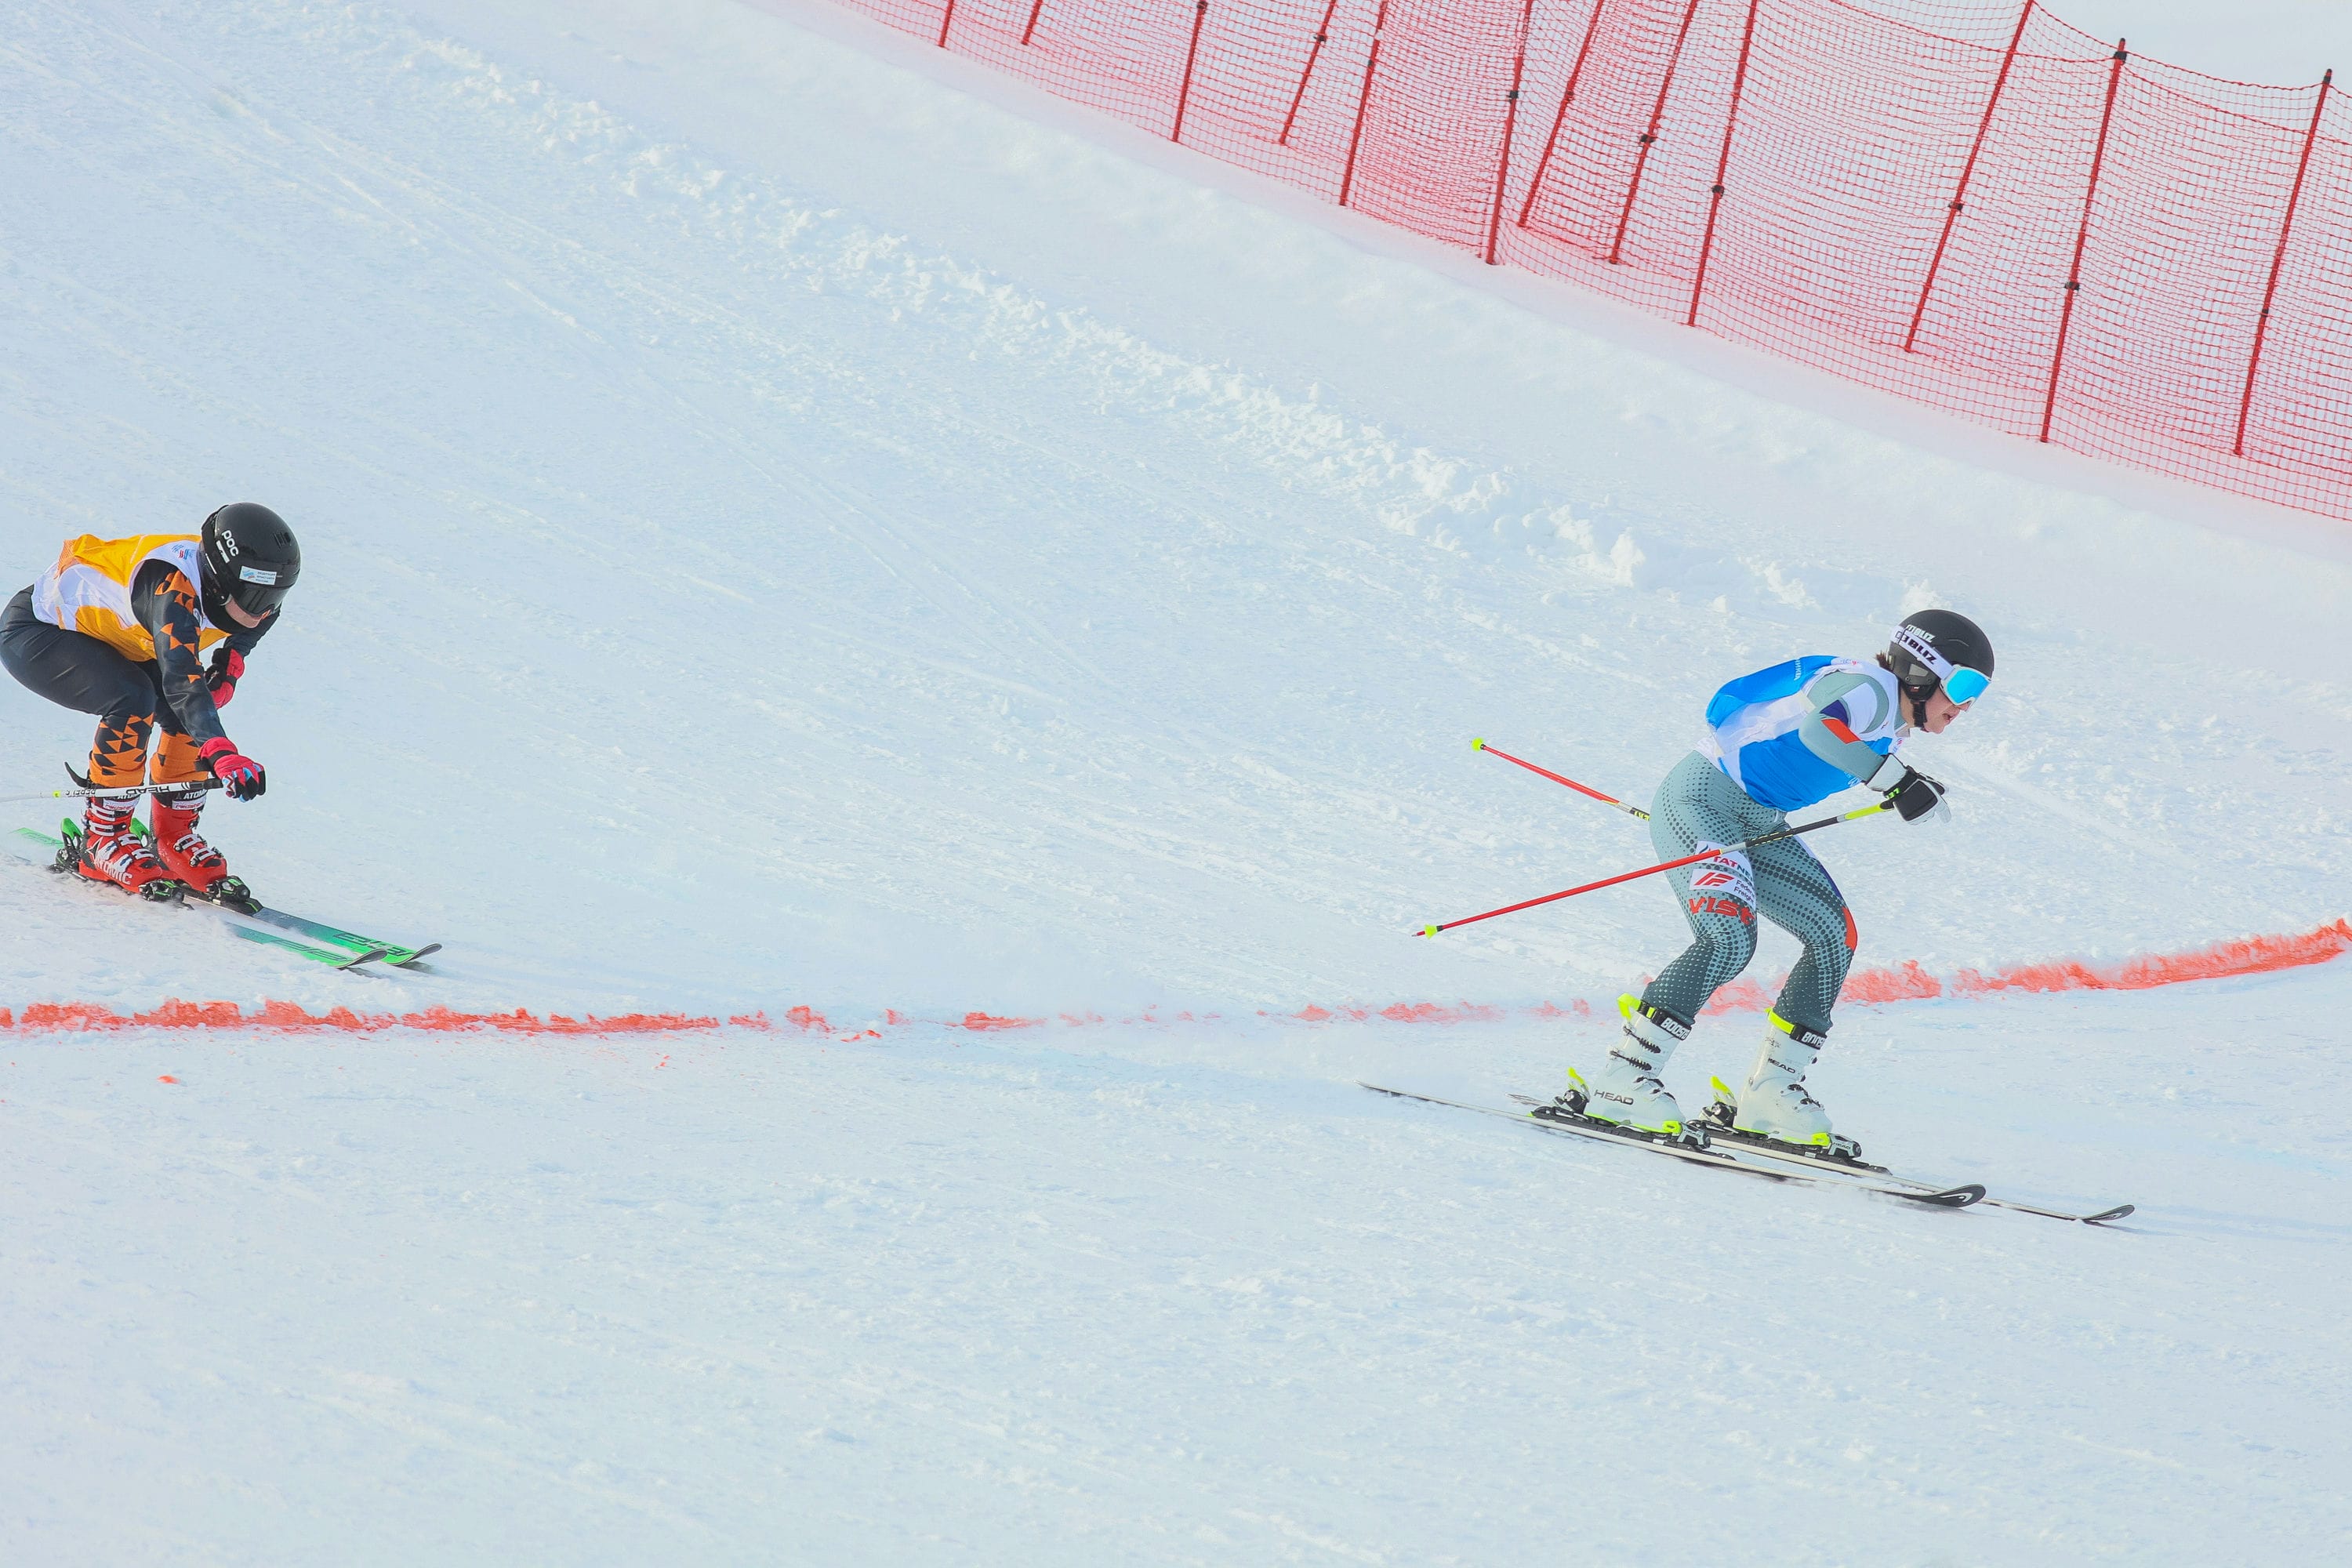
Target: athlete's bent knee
[(1730, 945)]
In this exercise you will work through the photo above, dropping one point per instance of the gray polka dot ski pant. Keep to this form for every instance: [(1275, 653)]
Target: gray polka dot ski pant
[(1697, 806)]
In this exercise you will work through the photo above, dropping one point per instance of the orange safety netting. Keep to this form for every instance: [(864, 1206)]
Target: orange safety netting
[(1968, 204)]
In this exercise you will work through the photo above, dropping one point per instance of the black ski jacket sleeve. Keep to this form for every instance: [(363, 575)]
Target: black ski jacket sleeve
[(165, 602)]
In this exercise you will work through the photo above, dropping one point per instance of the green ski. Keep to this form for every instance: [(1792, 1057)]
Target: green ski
[(341, 955), (391, 953)]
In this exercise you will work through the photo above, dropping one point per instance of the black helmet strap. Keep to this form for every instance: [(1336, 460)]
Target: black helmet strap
[(1904, 669), (1918, 696)]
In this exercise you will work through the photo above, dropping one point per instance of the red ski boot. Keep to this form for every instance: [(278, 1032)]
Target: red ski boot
[(108, 849), (186, 856)]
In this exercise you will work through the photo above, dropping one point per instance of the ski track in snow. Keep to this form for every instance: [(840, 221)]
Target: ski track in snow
[(607, 1300), (725, 593)]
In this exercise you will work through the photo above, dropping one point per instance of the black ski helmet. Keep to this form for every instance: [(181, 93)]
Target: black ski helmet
[(1940, 650), (250, 555)]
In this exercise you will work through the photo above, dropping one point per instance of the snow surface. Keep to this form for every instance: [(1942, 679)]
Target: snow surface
[(790, 521)]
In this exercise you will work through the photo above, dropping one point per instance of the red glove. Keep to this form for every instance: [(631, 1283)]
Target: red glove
[(241, 774), (228, 668)]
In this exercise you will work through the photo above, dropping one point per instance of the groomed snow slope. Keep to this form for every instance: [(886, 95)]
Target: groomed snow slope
[(780, 530)]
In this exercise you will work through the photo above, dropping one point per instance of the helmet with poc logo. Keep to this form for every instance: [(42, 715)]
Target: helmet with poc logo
[(251, 557)]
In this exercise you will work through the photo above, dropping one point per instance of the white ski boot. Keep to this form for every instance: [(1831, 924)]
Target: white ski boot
[(1775, 1104), (1625, 1090)]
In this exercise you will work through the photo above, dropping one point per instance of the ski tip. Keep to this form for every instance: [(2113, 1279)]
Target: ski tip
[(2105, 1215), (370, 956), (429, 949), (1958, 1197), (1477, 745)]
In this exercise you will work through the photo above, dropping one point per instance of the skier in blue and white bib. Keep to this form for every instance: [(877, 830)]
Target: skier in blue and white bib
[(1779, 741)]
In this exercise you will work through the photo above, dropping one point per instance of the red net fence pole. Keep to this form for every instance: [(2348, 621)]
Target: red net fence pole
[(1722, 165), (1363, 101), (1965, 203), (2082, 239), (1567, 97), (1192, 57), (1967, 171), (1306, 72), (1510, 125), (1650, 137), (2278, 260)]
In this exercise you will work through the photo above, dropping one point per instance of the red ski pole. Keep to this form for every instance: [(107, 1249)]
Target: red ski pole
[(1654, 870), (1478, 745)]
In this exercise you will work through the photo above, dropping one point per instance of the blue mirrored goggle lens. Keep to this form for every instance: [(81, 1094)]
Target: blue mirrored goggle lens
[(1966, 685)]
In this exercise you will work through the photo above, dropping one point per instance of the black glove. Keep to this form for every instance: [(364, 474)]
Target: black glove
[(1916, 796)]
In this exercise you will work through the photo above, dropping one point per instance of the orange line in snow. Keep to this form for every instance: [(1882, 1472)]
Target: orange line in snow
[(1907, 982), (292, 1018), (2222, 961)]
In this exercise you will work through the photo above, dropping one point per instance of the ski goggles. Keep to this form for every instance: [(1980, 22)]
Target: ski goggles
[(259, 589), (1922, 668)]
